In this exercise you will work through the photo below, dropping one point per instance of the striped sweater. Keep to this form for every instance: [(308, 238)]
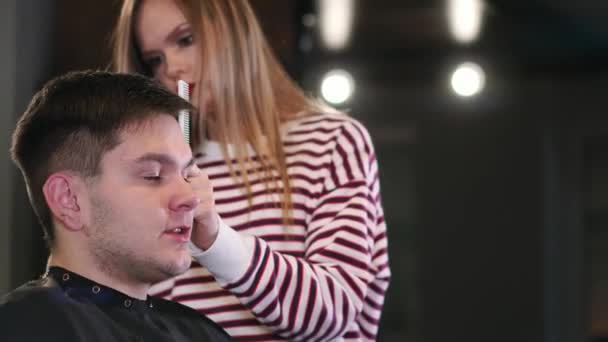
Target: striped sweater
[(322, 278)]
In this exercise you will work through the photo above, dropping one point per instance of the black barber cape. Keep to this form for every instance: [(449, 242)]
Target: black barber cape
[(63, 306)]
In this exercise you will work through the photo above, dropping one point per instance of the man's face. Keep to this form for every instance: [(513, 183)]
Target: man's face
[(142, 207)]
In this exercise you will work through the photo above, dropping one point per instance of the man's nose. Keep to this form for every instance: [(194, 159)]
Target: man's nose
[(185, 199)]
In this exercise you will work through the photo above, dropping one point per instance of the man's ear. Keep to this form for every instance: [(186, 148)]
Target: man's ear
[(64, 195)]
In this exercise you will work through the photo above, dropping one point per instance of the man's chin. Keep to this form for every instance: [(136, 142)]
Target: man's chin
[(174, 268), (185, 266), (182, 265)]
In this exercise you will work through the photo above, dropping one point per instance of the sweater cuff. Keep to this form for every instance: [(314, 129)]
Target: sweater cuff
[(229, 256)]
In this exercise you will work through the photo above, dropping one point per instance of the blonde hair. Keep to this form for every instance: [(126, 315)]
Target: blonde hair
[(252, 93)]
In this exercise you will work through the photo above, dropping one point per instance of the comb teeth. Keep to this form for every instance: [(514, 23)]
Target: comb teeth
[(184, 124), (183, 90)]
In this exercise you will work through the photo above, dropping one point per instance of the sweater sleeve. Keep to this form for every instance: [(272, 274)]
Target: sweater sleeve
[(342, 277)]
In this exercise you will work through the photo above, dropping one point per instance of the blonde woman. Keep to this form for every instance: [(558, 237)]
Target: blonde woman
[(295, 245)]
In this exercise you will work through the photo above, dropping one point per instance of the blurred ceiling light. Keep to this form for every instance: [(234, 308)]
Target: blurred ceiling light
[(468, 79), (336, 22), (465, 19), (337, 86)]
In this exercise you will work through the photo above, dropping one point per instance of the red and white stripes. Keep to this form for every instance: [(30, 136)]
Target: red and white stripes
[(321, 278)]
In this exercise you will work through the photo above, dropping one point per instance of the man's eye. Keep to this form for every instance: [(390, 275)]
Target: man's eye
[(154, 179)]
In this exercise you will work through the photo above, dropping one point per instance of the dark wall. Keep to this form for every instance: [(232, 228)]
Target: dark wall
[(7, 106), (33, 34), (478, 182)]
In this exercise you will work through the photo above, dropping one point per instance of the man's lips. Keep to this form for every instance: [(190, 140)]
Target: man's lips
[(181, 232)]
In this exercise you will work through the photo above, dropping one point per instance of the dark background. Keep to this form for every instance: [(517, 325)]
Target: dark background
[(496, 205)]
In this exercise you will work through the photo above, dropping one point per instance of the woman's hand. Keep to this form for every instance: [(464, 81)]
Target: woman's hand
[(206, 220)]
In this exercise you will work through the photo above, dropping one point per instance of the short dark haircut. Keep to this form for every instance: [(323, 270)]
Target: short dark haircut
[(76, 118)]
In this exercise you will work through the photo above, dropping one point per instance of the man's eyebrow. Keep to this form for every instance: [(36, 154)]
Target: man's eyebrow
[(162, 158)]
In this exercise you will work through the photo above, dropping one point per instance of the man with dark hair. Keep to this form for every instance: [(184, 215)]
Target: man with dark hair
[(115, 188)]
